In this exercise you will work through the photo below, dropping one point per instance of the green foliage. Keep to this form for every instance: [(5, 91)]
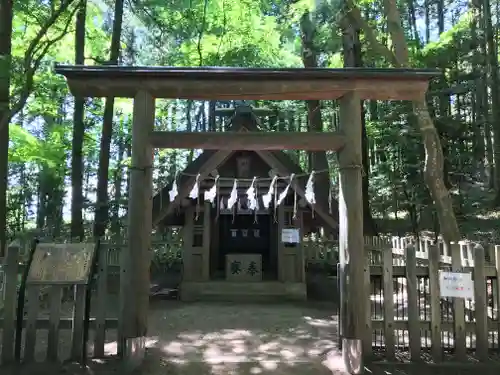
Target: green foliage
[(242, 34)]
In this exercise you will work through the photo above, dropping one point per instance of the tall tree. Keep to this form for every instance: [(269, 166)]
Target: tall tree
[(434, 160), (6, 16), (35, 52), (318, 160), (102, 210), (77, 230), (492, 56), (353, 59)]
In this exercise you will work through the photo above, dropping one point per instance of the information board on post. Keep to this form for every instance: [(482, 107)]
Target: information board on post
[(456, 285), (61, 263), (290, 235)]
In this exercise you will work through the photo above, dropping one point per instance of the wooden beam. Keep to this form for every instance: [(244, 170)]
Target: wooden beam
[(65, 323), (256, 111), (252, 141), (134, 275), (251, 89), (237, 83), (354, 297)]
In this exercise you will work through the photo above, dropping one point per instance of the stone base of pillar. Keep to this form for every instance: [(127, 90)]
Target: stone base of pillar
[(133, 351), (352, 355)]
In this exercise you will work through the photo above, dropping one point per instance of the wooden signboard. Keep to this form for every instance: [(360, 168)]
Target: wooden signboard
[(456, 285), (61, 263), (290, 235)]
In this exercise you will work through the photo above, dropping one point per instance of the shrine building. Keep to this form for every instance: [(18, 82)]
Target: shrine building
[(230, 251)]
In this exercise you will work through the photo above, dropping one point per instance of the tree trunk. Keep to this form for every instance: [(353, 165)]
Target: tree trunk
[(481, 59), (353, 59), (433, 167), (318, 160), (6, 15), (102, 211), (211, 116), (478, 145), (77, 230), (427, 7), (440, 16), (495, 96), (118, 182)]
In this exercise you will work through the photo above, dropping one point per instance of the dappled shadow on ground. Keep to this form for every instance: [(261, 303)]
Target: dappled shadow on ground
[(202, 338), (220, 339)]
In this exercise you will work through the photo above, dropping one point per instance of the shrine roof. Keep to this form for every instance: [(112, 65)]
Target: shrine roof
[(224, 83), (244, 118)]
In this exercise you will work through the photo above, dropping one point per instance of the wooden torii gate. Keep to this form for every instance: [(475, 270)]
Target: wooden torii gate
[(349, 86)]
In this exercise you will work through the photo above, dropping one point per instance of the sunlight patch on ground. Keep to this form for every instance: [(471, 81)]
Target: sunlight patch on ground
[(253, 342), (489, 215)]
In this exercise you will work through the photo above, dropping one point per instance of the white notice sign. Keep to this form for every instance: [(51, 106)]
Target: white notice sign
[(290, 235), (456, 284)]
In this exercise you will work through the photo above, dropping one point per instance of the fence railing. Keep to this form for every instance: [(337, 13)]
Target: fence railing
[(324, 250), (406, 310), (49, 314)]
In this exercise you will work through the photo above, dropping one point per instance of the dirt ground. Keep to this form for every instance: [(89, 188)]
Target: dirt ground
[(241, 339), (234, 339), (215, 339)]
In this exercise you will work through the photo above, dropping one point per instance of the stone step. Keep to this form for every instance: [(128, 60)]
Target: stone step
[(242, 291)]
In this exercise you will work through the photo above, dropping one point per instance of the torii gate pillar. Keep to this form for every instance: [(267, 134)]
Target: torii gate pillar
[(351, 240), (136, 257)]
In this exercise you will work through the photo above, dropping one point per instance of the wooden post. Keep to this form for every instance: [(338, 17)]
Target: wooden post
[(280, 245), (187, 250), (388, 282), (434, 258), (458, 305), (101, 302), (134, 294), (481, 302), (351, 241), (302, 258), (10, 297), (413, 313), (207, 230)]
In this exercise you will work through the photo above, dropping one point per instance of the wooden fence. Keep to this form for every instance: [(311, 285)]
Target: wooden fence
[(406, 311), (324, 250), (53, 327)]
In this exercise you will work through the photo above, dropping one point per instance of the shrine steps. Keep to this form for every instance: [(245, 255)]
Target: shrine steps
[(230, 291)]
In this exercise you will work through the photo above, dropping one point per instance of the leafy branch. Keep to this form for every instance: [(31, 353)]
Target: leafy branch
[(35, 53), (354, 15)]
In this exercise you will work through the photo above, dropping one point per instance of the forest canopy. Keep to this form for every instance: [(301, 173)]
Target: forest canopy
[(66, 158)]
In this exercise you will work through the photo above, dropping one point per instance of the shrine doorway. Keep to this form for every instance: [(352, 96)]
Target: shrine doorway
[(247, 234)]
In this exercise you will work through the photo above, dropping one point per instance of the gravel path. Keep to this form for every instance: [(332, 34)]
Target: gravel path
[(233, 339), (220, 339), (239, 339)]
